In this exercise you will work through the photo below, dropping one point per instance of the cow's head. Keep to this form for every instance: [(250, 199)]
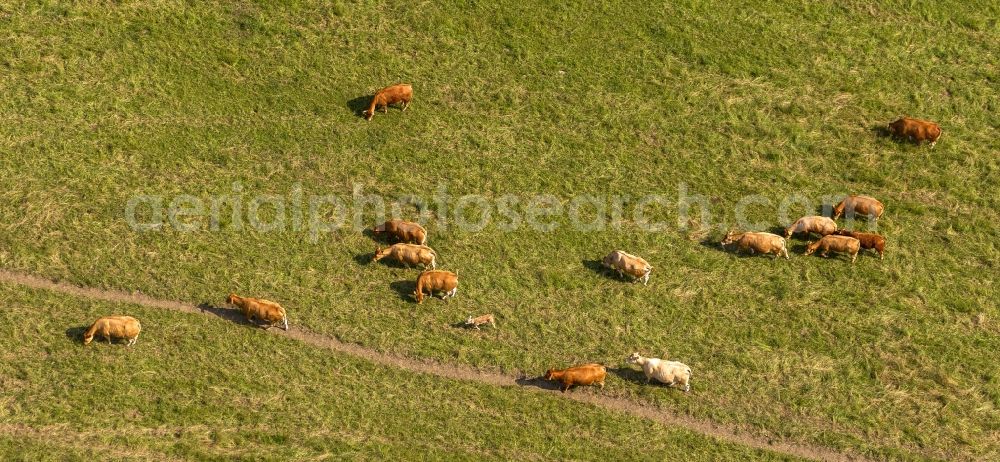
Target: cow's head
[(87, 338), (811, 247), (380, 253), (633, 358), (730, 238), (549, 374), (469, 321), (368, 114), (231, 299)]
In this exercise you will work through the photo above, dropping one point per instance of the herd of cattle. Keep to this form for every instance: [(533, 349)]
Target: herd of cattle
[(412, 250)]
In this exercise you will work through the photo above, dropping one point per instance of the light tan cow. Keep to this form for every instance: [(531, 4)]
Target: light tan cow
[(754, 242), (109, 327), (812, 224), (626, 263), (265, 310), (859, 205), (482, 320), (408, 254)]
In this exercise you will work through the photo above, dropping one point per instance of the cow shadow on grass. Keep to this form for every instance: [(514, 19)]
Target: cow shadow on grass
[(779, 230), (76, 333), (631, 375), (538, 382), (232, 315), (404, 290), (382, 238), (598, 267), (359, 105), (881, 131), (364, 259)]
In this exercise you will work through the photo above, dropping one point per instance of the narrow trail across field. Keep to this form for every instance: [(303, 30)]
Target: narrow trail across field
[(663, 416)]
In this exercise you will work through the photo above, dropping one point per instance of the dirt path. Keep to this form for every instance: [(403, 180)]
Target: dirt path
[(663, 416)]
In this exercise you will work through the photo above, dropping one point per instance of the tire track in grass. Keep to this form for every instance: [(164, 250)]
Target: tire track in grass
[(450, 371)]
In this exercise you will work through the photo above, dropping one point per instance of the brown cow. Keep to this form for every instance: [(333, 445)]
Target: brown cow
[(404, 231), (431, 281), (626, 263), (265, 310), (916, 130), (125, 327), (399, 93), (868, 241), (812, 224), (842, 244), (408, 254), (859, 205), (764, 243), (584, 374)]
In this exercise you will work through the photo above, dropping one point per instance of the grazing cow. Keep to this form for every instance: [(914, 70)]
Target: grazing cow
[(408, 254), (625, 263), (916, 130), (812, 224), (265, 310), (480, 321), (841, 244), (585, 374), (859, 205), (431, 281), (125, 327), (868, 241), (764, 243), (668, 372), (399, 93), (404, 231)]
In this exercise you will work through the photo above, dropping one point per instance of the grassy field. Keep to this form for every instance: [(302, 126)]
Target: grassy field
[(211, 390), (892, 359)]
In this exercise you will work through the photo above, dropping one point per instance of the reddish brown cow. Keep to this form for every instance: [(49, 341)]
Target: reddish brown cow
[(868, 241), (585, 374), (404, 231), (916, 130), (841, 244), (399, 93), (436, 281), (859, 205)]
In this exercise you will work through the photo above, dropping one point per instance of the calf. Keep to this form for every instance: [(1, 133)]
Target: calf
[(585, 374), (625, 263), (812, 224), (399, 93), (404, 231), (863, 205), (841, 244), (431, 281), (867, 240), (267, 311), (408, 254), (668, 372), (916, 130), (764, 243), (481, 320), (125, 327)]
